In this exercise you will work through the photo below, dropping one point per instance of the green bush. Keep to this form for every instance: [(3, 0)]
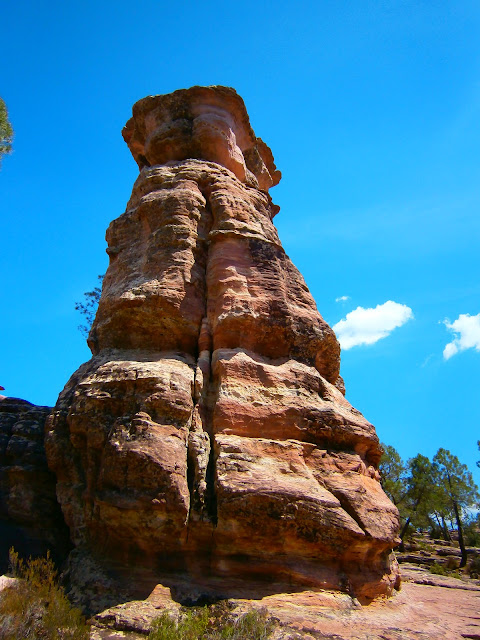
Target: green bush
[(471, 532), (438, 569), (192, 625), (253, 625), (216, 623), (474, 567), (36, 607), (442, 570), (472, 537)]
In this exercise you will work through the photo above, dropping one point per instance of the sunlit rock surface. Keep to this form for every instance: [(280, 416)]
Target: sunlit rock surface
[(209, 434)]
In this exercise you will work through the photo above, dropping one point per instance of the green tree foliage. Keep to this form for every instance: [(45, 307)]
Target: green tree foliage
[(457, 489), (435, 495), (409, 486), (419, 485), (35, 606), (472, 530), (393, 474), (6, 131), (88, 308)]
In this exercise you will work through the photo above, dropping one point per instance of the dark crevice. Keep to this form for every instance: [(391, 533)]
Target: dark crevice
[(210, 493), (142, 161), (203, 504), (208, 395), (346, 506), (190, 473)]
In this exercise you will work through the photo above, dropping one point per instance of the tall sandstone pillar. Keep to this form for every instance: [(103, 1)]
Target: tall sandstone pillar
[(209, 434)]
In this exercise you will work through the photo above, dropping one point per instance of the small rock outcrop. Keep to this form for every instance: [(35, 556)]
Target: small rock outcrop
[(209, 434), (30, 517)]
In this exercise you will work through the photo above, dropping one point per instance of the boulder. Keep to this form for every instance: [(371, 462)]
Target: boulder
[(30, 516)]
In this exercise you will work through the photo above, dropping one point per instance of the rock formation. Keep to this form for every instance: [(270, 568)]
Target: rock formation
[(30, 516), (209, 433)]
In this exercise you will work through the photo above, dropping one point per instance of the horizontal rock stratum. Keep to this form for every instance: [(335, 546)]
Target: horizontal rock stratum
[(209, 434)]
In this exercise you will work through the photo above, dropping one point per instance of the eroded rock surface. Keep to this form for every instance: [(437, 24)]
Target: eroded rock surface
[(428, 607), (417, 612), (30, 516), (209, 434)]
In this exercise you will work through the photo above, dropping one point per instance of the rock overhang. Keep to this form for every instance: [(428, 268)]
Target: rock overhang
[(205, 123)]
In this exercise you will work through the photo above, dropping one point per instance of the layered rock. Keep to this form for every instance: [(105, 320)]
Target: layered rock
[(209, 433), (30, 516)]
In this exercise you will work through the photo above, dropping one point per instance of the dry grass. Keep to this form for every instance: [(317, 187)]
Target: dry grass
[(35, 606), (212, 623)]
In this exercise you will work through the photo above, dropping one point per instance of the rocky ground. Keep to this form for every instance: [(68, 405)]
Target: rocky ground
[(439, 554), (428, 606)]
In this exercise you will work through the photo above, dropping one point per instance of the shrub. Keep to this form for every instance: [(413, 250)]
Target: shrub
[(253, 625), (35, 606), (216, 623), (451, 563), (471, 531), (474, 567), (442, 570), (192, 625), (438, 569)]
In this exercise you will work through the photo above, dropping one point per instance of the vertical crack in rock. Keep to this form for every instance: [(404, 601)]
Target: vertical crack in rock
[(200, 461), (199, 437), (207, 400)]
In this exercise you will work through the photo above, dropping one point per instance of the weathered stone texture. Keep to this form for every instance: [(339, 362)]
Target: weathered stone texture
[(208, 123), (119, 449), (30, 516), (209, 433)]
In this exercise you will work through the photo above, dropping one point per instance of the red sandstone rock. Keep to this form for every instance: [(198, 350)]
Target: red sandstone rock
[(208, 123), (428, 607), (119, 449), (417, 612), (209, 433)]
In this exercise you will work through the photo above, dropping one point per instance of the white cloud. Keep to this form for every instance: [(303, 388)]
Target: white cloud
[(342, 299), (466, 329), (367, 326)]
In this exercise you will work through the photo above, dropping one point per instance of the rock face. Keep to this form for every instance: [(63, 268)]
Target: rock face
[(209, 433), (30, 516)]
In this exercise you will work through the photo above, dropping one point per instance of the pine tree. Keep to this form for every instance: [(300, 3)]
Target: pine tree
[(88, 308), (6, 131), (455, 483), (393, 474), (419, 491)]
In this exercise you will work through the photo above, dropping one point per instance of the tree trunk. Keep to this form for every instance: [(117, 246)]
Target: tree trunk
[(403, 533), (446, 532), (461, 541), (439, 524)]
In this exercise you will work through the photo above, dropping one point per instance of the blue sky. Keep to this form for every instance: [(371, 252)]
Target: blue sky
[(371, 109)]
